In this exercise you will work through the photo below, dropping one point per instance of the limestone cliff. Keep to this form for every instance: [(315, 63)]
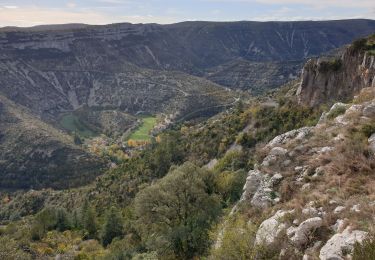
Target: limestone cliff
[(326, 80)]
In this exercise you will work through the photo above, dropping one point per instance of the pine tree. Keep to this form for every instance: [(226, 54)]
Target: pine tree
[(62, 220), (88, 215), (113, 226)]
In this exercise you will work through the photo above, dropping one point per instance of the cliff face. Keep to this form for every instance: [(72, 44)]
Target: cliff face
[(336, 79)]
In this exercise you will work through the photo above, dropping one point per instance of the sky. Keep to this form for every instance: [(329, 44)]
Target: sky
[(37, 12)]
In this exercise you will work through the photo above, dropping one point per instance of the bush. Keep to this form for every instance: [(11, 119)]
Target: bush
[(368, 129), (336, 112), (230, 184), (365, 251), (332, 65), (359, 45)]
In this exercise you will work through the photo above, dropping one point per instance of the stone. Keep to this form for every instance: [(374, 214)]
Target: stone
[(355, 109), (319, 170), (339, 225), (342, 120), (310, 211), (369, 111), (371, 142), (355, 208), (278, 151), (253, 181), (326, 149), (265, 196), (339, 209), (269, 160), (306, 186), (271, 229), (276, 179), (339, 138), (297, 134), (340, 243), (302, 232), (211, 164), (291, 231), (262, 197)]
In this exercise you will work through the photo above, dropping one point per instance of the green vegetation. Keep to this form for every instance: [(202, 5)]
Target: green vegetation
[(73, 124), (364, 44), (366, 250), (162, 203), (182, 230), (113, 226), (336, 112), (143, 131), (331, 65)]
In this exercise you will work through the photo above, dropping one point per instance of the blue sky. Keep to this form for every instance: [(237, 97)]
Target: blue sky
[(29, 13)]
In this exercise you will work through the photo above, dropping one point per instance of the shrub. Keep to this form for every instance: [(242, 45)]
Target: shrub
[(358, 45), (368, 129), (332, 65), (336, 112), (365, 251), (230, 184)]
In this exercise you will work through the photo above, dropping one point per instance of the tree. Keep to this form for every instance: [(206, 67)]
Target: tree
[(77, 139), (88, 215), (45, 220), (175, 213), (62, 220), (113, 226)]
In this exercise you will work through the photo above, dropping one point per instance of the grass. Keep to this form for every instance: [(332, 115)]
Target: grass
[(143, 132), (72, 123)]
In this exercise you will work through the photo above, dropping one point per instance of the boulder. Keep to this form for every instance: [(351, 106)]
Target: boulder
[(341, 243), (355, 208), (298, 134), (265, 195), (271, 229), (253, 180), (302, 232), (339, 225), (278, 151), (339, 209), (371, 142), (269, 160), (276, 179), (369, 111)]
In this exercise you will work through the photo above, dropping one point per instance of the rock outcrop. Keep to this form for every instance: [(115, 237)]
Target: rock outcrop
[(300, 234), (336, 78), (341, 244), (271, 229)]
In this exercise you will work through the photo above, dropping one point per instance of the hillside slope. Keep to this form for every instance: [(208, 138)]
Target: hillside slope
[(34, 154)]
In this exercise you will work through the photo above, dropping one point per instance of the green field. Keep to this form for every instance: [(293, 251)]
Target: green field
[(142, 133), (72, 123)]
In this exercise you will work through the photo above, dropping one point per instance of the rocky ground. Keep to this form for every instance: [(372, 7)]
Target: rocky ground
[(317, 184)]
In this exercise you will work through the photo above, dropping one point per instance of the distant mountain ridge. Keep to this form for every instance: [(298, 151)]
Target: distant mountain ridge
[(194, 48)]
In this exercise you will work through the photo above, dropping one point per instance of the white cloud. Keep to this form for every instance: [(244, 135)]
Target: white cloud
[(10, 6)]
